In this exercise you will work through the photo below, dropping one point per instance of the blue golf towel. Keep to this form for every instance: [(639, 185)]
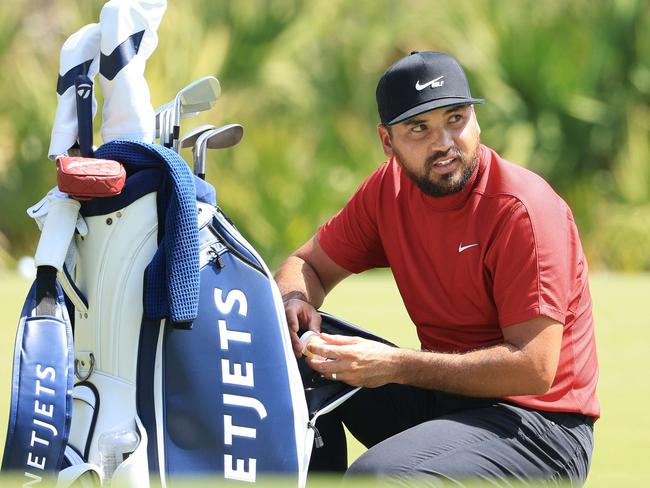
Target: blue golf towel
[(171, 286)]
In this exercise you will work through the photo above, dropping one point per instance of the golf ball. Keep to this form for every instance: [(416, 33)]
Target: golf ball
[(306, 339)]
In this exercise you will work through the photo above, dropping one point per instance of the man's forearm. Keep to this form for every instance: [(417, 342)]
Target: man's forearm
[(297, 279), (497, 371), (525, 363)]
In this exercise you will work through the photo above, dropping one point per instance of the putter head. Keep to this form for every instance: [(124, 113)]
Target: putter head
[(191, 136), (220, 138)]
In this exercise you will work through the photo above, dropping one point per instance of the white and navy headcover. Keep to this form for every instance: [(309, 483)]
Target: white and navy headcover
[(117, 48), (79, 56), (128, 38)]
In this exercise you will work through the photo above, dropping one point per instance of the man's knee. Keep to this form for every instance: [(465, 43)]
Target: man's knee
[(380, 460), (366, 464)]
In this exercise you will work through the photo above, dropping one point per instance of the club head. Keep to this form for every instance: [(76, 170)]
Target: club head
[(226, 136), (191, 136), (198, 96), (220, 138)]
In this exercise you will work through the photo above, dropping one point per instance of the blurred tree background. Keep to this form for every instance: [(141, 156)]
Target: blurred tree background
[(567, 85)]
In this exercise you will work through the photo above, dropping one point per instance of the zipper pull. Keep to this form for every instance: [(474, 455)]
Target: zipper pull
[(318, 439), (216, 258)]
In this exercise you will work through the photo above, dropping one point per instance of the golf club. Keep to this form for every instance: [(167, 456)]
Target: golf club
[(198, 96), (159, 116), (220, 138), (166, 124), (192, 135)]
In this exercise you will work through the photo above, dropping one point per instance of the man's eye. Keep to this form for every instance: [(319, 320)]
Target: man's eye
[(455, 118), (419, 128)]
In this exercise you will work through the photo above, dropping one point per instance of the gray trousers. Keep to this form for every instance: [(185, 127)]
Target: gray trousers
[(428, 438)]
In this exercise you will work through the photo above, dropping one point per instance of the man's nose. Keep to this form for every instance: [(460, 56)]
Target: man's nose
[(441, 140)]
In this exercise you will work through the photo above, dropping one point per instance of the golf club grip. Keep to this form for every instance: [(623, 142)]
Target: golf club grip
[(84, 90), (176, 134), (46, 290)]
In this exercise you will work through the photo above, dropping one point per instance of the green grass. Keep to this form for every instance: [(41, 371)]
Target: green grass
[(372, 301)]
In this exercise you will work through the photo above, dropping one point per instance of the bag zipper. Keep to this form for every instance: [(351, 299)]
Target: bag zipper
[(318, 439)]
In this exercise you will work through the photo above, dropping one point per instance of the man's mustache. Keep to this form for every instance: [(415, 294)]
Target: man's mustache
[(452, 152)]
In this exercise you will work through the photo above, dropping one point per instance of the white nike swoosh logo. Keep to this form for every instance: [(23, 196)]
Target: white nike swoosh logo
[(461, 248), (432, 83)]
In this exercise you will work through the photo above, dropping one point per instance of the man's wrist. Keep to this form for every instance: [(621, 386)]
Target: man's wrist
[(397, 363), (294, 295)]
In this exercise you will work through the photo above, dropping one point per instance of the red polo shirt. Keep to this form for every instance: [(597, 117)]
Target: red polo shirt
[(502, 251)]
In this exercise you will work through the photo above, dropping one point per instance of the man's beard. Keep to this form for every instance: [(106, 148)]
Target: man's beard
[(444, 184)]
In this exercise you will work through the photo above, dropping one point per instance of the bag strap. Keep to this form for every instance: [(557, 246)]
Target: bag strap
[(71, 290), (41, 395)]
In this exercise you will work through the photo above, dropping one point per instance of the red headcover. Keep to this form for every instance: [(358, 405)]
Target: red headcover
[(86, 178)]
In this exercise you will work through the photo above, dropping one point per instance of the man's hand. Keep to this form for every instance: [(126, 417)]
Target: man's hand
[(356, 361), (301, 316), (304, 279)]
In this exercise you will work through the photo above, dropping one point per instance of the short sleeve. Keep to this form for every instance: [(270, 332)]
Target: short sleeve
[(351, 238), (530, 265)]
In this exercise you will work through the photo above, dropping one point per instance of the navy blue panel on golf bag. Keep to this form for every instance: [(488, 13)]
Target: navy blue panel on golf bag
[(41, 391), (234, 403), (228, 402)]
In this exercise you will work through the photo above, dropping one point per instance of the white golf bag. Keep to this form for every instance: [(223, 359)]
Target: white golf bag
[(222, 398)]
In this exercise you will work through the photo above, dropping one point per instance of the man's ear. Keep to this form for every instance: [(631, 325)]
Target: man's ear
[(386, 143)]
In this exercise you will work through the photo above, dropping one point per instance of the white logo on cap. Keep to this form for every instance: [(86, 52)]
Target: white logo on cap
[(433, 83)]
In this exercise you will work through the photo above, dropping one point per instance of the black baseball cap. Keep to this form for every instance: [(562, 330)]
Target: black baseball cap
[(421, 82)]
